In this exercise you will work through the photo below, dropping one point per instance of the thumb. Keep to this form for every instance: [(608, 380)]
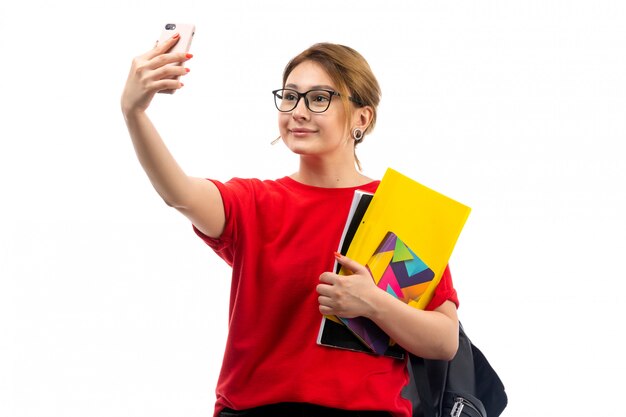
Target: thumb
[(351, 265)]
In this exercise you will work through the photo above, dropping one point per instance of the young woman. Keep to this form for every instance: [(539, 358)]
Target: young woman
[(279, 236)]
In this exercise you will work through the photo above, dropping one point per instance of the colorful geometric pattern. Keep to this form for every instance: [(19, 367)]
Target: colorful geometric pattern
[(399, 271)]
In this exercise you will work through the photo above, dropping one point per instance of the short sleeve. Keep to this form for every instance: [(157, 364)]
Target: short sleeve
[(233, 195), (445, 291)]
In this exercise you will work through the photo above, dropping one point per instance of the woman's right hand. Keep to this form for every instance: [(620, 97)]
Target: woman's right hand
[(150, 73)]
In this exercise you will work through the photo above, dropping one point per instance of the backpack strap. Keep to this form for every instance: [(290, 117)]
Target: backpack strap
[(434, 384), (427, 385)]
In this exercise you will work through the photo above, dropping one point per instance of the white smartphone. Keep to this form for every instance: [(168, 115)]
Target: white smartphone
[(186, 32)]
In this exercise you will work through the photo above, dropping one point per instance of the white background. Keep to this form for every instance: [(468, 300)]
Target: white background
[(109, 304)]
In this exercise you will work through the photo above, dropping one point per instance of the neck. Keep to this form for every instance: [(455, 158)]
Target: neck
[(320, 173)]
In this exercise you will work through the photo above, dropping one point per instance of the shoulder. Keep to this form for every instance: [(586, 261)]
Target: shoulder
[(254, 192), (243, 185)]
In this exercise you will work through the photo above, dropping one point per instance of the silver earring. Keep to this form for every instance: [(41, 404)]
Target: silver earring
[(357, 134)]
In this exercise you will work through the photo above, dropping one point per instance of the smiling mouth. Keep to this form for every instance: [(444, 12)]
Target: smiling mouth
[(302, 132)]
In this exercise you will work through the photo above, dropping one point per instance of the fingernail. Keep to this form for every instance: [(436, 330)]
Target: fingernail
[(176, 36), (337, 255), (182, 85), (188, 56), (187, 70)]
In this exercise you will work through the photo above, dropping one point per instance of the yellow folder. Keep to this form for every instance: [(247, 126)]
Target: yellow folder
[(427, 221)]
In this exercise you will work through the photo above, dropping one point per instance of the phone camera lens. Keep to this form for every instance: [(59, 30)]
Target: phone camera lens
[(170, 26)]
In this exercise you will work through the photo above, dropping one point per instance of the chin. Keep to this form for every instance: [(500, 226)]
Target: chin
[(300, 148)]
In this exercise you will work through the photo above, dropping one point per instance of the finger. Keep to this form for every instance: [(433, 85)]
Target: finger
[(325, 301), (165, 59), (327, 311), (328, 278), (324, 290), (326, 306), (162, 47), (349, 264), (165, 85), (169, 71)]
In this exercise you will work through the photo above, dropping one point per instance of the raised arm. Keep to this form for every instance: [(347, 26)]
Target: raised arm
[(196, 198)]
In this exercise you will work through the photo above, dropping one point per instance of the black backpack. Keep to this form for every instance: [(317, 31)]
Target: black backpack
[(466, 386)]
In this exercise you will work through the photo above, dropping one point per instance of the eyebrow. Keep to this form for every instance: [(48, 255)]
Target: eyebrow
[(315, 87)]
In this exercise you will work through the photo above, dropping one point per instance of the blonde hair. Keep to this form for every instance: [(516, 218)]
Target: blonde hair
[(351, 75)]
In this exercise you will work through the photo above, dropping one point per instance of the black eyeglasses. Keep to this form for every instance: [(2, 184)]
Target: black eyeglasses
[(317, 101)]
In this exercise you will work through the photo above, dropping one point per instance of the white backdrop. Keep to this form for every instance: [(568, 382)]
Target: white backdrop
[(110, 306)]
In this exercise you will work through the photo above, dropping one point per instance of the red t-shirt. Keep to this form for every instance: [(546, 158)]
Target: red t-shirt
[(279, 237)]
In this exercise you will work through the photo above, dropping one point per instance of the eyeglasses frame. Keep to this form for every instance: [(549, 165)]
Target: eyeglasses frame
[(306, 101)]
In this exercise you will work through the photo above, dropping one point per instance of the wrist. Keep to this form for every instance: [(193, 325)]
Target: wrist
[(132, 113), (378, 302)]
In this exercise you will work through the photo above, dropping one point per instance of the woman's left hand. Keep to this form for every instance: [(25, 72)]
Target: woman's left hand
[(347, 296)]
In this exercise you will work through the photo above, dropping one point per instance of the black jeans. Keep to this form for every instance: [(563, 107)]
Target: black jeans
[(298, 410)]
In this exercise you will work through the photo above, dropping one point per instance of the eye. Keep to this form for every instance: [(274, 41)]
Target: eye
[(290, 96), (319, 97)]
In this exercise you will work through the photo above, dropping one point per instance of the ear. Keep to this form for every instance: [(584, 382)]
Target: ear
[(362, 117)]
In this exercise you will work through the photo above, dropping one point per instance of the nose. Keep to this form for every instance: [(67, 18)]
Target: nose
[(300, 111)]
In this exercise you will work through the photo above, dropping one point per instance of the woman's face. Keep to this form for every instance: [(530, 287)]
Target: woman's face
[(315, 134)]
